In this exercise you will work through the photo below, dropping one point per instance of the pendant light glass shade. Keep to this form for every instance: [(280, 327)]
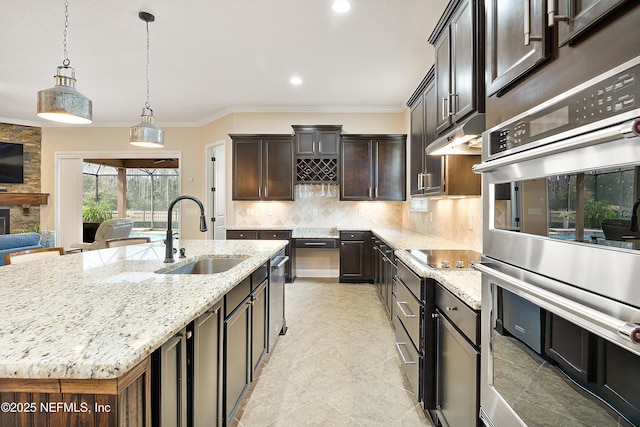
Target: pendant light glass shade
[(146, 133), (63, 103)]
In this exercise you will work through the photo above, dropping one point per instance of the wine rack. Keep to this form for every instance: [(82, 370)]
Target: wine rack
[(317, 170)]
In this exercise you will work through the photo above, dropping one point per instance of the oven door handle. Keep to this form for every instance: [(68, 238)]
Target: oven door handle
[(583, 315), (625, 130)]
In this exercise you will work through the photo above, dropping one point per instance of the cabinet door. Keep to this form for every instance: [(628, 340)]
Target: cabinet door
[(433, 169), (443, 81), (278, 169), (463, 62), (237, 330), (390, 176), (206, 348), (351, 260), (247, 169), (328, 142), (510, 52), (304, 142), (258, 325), (457, 363), (356, 172), (582, 14), (173, 381), (417, 145)]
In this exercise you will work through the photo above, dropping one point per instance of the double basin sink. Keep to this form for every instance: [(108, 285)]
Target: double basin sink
[(209, 265)]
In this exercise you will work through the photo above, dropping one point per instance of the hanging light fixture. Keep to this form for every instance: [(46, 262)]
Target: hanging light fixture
[(146, 133), (63, 103)]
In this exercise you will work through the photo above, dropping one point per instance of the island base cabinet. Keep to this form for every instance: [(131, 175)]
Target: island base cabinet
[(207, 361), (122, 402), (236, 358), (170, 384)]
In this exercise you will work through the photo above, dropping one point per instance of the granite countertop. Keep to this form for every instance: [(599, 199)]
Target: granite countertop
[(465, 283), (97, 314)]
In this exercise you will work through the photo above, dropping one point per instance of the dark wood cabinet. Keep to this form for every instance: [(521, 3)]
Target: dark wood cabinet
[(417, 142), (459, 65), (317, 140), (270, 235), (259, 321), (580, 16), (518, 40), (570, 346), (355, 256), (262, 167), (373, 167), (207, 334)]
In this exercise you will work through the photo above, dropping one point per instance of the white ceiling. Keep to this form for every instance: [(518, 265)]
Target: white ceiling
[(212, 57)]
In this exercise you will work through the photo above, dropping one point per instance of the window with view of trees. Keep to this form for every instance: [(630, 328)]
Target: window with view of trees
[(149, 192)]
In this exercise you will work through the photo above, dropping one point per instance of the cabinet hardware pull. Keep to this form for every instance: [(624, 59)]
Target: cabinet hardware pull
[(404, 359), (451, 308), (445, 109), (528, 38), (259, 192), (404, 313), (552, 18), (451, 100), (314, 244), (434, 315)]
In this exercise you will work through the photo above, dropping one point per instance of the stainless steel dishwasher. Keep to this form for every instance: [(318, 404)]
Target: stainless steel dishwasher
[(277, 321)]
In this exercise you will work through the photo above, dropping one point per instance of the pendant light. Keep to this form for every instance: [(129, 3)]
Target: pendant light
[(63, 103), (146, 133)]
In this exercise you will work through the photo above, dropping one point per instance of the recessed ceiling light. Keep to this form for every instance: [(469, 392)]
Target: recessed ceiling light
[(295, 80), (341, 6)]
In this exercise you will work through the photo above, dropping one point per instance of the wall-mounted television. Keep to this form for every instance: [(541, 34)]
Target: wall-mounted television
[(11, 163)]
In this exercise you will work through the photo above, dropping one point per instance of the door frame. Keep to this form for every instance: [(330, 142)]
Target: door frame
[(209, 149), (72, 233)]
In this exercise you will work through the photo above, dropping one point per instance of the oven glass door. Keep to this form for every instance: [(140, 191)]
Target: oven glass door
[(546, 361)]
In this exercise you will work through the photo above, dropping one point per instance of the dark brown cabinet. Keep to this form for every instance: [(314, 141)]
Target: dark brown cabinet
[(262, 167), (459, 67), (517, 40), (270, 235), (317, 140), (373, 167), (355, 256), (577, 16)]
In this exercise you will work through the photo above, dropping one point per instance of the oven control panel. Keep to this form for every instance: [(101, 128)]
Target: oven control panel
[(608, 96)]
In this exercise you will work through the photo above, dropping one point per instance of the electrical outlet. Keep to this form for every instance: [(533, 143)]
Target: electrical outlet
[(470, 225), (360, 212), (314, 212), (430, 216), (269, 212), (249, 212)]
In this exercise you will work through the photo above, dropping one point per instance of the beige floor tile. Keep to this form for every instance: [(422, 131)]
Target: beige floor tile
[(336, 366)]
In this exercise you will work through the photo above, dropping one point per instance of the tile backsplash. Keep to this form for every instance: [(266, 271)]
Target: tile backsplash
[(318, 211)]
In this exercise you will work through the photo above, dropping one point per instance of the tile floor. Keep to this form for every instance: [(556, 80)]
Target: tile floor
[(336, 366)]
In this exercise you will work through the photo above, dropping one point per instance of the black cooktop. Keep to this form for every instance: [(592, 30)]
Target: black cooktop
[(446, 258)]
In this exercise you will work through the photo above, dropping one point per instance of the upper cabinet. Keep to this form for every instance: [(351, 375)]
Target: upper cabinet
[(517, 40), (316, 153), (262, 167), (318, 140), (459, 65), (575, 17), (373, 167)]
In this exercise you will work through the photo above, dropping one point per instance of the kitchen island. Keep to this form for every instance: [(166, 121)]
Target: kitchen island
[(79, 330)]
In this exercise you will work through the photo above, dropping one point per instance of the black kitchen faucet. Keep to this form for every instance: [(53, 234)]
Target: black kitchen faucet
[(169, 241)]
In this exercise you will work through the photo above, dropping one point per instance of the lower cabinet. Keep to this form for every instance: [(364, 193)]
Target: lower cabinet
[(457, 362), (271, 235), (169, 382), (206, 397), (237, 347), (355, 256), (200, 376)]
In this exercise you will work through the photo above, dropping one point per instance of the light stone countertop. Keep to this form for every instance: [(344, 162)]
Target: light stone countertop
[(465, 283), (97, 314)]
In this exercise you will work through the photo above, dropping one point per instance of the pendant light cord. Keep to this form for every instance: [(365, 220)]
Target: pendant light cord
[(66, 61), (147, 105)]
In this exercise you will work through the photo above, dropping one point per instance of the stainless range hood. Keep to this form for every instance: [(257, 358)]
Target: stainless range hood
[(463, 139)]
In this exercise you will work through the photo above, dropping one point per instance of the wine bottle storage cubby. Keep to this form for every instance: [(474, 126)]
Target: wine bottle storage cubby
[(317, 170)]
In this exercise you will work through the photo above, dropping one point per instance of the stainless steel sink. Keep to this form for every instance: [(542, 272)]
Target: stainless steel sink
[(211, 265)]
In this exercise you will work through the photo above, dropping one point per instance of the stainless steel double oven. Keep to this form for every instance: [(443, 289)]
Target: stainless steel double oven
[(561, 264)]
